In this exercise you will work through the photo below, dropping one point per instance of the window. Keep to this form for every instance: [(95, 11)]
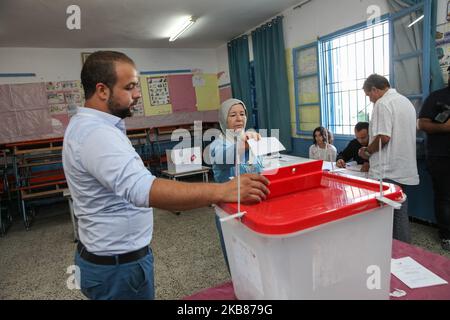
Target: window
[(347, 59), (307, 92)]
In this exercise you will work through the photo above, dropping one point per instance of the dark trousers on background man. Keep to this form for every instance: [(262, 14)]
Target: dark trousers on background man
[(401, 230)]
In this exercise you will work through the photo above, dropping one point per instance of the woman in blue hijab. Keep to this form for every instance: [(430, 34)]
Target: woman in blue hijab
[(232, 120)]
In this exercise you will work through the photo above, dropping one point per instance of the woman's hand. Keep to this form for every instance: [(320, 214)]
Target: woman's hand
[(251, 135)]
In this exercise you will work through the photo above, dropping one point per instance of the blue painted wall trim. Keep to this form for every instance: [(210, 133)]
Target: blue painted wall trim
[(12, 75), (165, 72)]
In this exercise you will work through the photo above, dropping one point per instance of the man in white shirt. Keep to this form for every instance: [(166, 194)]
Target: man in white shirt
[(393, 124), (113, 192)]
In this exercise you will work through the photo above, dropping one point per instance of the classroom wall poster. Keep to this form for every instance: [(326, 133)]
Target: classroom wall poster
[(149, 109), (207, 94), (182, 93), (158, 90), (63, 98), (225, 93), (42, 110)]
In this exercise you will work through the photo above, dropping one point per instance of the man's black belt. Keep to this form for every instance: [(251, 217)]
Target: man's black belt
[(111, 260)]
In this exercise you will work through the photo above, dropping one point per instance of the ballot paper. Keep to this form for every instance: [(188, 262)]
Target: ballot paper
[(413, 274), (265, 146), (330, 166), (353, 166)]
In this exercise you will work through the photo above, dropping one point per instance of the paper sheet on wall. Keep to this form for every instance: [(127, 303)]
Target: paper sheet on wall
[(9, 129), (413, 274), (198, 80), (158, 89), (225, 93), (28, 96), (265, 146), (63, 98), (310, 114), (208, 95), (308, 90), (149, 109), (5, 99), (60, 123), (34, 122), (307, 61), (182, 93)]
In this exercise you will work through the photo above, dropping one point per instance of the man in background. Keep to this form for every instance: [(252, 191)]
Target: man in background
[(393, 125), (351, 151), (434, 120)]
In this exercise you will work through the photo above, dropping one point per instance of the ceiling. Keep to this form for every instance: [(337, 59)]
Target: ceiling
[(131, 23)]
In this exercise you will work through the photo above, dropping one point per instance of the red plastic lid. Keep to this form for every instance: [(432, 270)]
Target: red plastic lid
[(303, 196)]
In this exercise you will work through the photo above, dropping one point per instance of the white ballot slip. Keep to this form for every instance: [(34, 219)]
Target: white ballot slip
[(413, 274), (353, 166), (265, 146)]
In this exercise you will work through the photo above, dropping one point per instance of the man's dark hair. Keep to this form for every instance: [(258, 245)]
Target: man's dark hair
[(362, 125), (377, 81), (100, 68)]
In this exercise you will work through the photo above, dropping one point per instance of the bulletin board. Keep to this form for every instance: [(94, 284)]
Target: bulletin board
[(307, 90), (225, 93), (24, 112), (43, 110), (165, 94), (206, 91), (63, 97)]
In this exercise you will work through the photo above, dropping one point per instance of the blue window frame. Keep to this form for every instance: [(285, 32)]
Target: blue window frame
[(307, 88), (347, 58), (340, 74)]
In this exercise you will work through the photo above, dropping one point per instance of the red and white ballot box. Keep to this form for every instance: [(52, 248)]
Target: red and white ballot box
[(319, 235)]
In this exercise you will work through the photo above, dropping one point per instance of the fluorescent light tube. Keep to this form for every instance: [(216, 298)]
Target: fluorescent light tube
[(415, 21), (186, 25)]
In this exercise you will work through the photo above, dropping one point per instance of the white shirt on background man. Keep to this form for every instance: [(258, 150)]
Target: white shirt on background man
[(394, 116)]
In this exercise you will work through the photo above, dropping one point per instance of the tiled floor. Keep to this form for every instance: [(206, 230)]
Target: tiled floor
[(36, 264)]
